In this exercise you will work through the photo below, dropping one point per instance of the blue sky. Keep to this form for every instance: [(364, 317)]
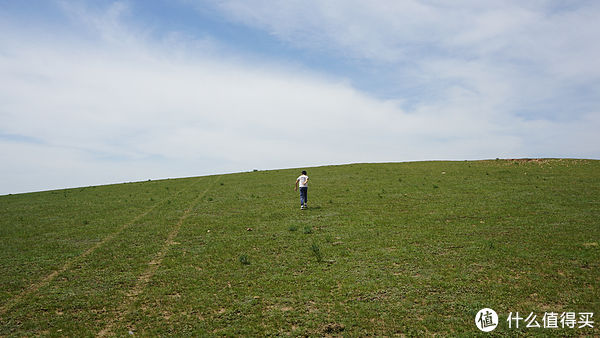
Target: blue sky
[(96, 92)]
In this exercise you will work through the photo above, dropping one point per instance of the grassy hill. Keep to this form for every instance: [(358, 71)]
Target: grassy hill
[(385, 249)]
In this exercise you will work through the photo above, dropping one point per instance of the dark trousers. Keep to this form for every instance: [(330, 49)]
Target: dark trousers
[(303, 195)]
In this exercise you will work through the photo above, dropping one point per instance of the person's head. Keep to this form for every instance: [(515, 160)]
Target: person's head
[(303, 172)]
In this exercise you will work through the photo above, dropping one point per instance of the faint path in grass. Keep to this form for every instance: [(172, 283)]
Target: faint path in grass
[(153, 266), (71, 262)]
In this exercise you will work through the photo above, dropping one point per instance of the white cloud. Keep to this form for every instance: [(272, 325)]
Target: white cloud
[(388, 30), (532, 51), (100, 110)]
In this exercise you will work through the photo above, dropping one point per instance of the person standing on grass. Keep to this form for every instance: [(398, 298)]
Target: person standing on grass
[(302, 182)]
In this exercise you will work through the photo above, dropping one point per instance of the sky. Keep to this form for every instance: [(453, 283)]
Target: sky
[(100, 92)]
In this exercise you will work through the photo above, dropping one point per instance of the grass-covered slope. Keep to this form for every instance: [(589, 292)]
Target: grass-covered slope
[(406, 248)]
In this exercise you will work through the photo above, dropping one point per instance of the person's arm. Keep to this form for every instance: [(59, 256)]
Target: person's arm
[(296, 187)]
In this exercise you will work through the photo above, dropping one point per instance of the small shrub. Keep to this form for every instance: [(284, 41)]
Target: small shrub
[(307, 230), (244, 260), (316, 250)]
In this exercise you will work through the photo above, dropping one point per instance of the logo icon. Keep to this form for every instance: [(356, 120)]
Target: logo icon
[(486, 320)]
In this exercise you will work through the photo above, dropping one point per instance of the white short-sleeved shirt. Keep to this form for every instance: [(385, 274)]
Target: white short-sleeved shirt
[(303, 181)]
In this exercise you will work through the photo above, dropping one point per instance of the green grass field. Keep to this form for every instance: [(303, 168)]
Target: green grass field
[(383, 249)]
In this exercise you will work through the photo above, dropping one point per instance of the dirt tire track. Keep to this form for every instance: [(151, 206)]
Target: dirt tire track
[(153, 266), (10, 303)]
